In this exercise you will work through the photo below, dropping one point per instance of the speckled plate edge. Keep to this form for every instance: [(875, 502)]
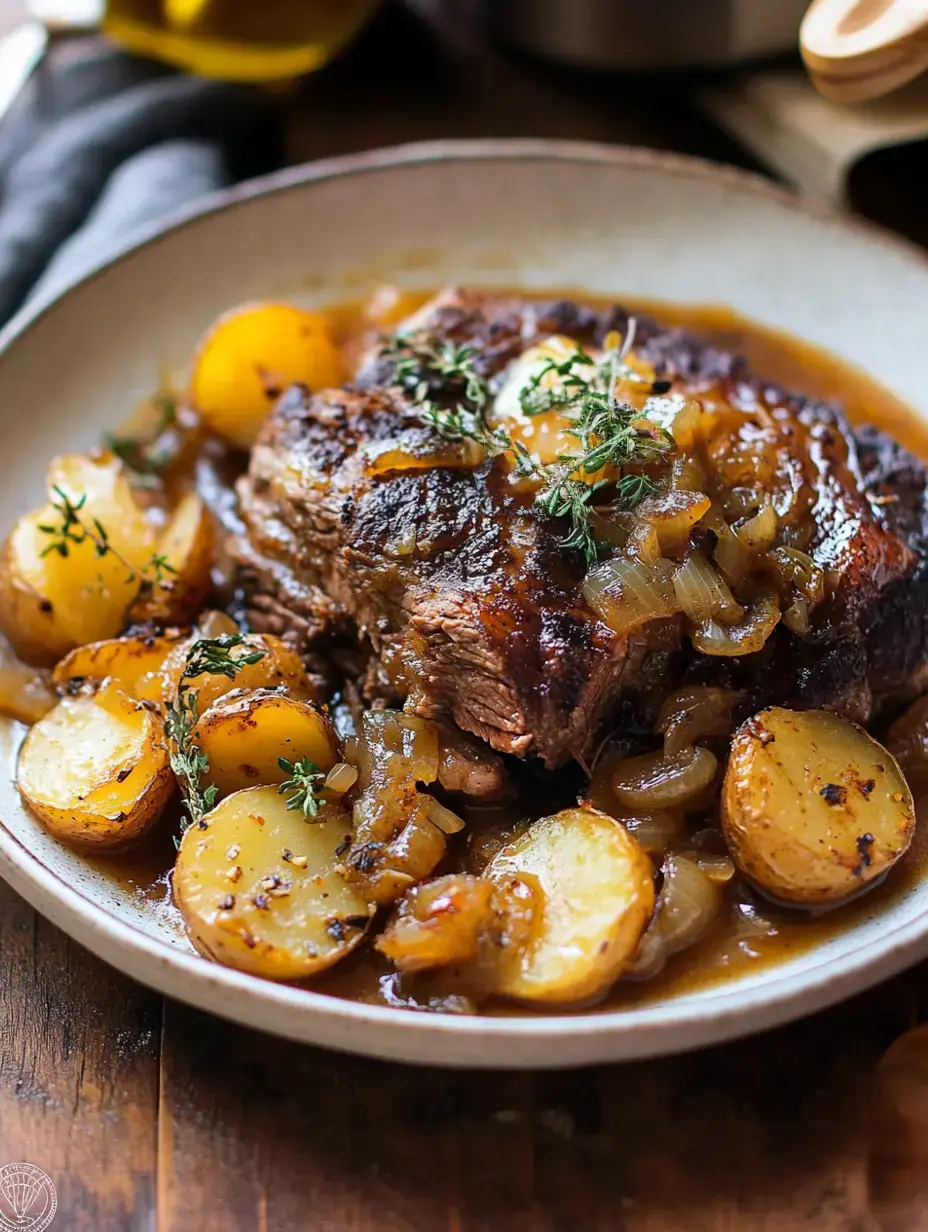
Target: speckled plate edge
[(530, 1041)]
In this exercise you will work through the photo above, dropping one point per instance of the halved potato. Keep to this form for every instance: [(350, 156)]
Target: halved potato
[(279, 666), (95, 770), (250, 356), (49, 602), (134, 662), (245, 733), (258, 890), (813, 809), (597, 888), (188, 544)]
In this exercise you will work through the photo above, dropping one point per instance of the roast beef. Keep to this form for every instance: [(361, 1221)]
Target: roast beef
[(362, 524)]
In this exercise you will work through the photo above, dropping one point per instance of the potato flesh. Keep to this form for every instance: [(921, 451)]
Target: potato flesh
[(247, 901), (244, 736), (597, 891), (813, 808), (95, 769), (250, 356)]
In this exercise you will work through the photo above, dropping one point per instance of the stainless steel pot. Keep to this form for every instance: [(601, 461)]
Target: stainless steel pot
[(648, 33)]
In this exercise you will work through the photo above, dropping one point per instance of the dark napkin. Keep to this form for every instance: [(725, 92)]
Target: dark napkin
[(100, 142)]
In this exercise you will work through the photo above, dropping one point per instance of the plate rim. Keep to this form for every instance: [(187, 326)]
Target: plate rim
[(780, 998)]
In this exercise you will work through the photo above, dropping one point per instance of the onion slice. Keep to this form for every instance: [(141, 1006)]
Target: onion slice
[(625, 594), (747, 637)]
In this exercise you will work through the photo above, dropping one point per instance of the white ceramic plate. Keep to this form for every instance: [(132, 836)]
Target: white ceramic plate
[(529, 213)]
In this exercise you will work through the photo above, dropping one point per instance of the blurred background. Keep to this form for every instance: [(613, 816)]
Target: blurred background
[(114, 113)]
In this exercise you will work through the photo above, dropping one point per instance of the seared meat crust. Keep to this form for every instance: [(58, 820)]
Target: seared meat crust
[(462, 591)]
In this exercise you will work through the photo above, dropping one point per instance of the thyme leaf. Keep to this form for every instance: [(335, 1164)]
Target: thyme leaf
[(300, 788), (207, 656)]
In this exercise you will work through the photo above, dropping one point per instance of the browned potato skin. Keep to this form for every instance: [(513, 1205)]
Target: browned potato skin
[(125, 801), (134, 662), (245, 732), (27, 619), (805, 867)]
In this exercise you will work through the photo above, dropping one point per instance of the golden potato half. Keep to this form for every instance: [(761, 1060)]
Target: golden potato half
[(597, 886), (813, 809), (279, 665), (135, 663), (250, 356), (245, 733), (49, 602), (95, 770), (188, 545), (258, 890)]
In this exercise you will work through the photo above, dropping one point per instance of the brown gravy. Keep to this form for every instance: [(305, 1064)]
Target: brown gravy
[(749, 934)]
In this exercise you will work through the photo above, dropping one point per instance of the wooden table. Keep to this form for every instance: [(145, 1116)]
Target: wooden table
[(151, 1116)]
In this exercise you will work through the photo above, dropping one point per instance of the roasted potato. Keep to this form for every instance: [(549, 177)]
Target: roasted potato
[(813, 809), (245, 733), (188, 546), (258, 890), (250, 356), (280, 665), (26, 693), (95, 770), (134, 662), (597, 889), (51, 602)]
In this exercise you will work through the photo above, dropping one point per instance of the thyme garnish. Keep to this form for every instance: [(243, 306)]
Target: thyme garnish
[(206, 657), (300, 787), (74, 528), (135, 451), (610, 433)]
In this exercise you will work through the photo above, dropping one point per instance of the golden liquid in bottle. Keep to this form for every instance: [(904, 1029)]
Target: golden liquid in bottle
[(240, 40)]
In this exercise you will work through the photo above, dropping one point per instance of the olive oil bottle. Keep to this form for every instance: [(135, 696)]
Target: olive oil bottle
[(240, 40)]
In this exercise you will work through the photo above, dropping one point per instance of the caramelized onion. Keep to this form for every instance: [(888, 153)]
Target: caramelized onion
[(447, 821), (796, 616), (341, 778), (746, 637), (719, 869), (687, 474), (688, 903), (758, 533), (671, 517), (798, 569), (702, 594), (656, 832), (627, 593), (691, 714), (731, 555), (652, 782), (684, 428)]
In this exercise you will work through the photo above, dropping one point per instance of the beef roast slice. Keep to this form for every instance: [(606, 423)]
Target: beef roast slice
[(464, 593)]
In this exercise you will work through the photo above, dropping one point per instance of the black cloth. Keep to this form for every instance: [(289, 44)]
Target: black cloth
[(100, 142)]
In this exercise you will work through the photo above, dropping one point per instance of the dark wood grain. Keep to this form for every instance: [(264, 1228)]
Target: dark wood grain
[(78, 1074), (769, 1133)]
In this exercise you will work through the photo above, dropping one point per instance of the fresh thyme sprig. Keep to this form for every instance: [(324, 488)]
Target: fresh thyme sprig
[(611, 433), (74, 528), (300, 788), (210, 656)]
